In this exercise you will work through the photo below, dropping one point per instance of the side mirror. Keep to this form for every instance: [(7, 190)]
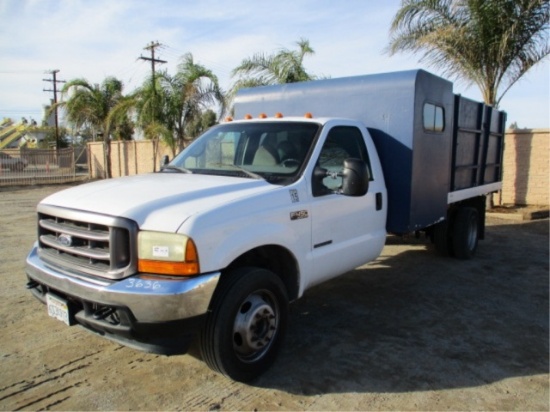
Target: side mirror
[(165, 160), (355, 177)]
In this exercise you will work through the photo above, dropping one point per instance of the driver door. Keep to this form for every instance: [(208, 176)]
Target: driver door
[(346, 231)]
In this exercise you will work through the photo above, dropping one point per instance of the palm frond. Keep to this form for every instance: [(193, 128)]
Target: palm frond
[(488, 42)]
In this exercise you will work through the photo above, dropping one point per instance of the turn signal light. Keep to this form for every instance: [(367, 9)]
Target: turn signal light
[(168, 268)]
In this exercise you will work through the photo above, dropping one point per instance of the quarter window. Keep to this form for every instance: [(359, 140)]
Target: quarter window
[(434, 119)]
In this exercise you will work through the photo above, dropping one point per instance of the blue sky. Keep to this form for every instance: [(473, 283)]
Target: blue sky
[(94, 39)]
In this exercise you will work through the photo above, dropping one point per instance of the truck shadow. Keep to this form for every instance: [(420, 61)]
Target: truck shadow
[(414, 321)]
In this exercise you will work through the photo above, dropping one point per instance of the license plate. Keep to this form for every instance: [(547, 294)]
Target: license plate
[(58, 308)]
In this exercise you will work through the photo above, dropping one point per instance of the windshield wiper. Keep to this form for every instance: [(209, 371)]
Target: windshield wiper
[(242, 169), (176, 168)]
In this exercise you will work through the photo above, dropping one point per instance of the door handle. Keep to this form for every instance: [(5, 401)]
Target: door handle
[(379, 201)]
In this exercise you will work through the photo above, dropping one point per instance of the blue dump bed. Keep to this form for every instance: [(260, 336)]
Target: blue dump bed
[(436, 148)]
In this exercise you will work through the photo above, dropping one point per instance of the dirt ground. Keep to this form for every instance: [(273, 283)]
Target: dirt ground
[(412, 331)]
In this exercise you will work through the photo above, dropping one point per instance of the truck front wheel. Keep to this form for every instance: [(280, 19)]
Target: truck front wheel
[(246, 325), (465, 233)]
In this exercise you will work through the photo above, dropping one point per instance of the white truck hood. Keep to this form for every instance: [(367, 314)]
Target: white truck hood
[(157, 201)]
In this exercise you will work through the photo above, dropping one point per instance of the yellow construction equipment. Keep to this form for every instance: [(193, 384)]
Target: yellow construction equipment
[(10, 132)]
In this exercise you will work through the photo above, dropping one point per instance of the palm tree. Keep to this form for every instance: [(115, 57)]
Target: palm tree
[(147, 104), (491, 43), (90, 106), (285, 66), (192, 90), (199, 125), (166, 107)]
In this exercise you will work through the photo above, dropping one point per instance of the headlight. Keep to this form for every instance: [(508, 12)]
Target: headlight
[(167, 254)]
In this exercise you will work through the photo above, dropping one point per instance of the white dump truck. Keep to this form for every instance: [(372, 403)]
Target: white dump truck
[(301, 187)]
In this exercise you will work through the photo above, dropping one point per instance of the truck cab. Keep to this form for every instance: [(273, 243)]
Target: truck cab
[(301, 200), (305, 162)]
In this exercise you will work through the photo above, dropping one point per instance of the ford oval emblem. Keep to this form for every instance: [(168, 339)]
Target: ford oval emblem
[(65, 240)]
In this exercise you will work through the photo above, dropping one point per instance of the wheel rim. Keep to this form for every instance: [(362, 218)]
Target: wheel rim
[(255, 326)]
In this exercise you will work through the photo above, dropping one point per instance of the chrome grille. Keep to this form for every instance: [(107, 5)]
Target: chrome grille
[(86, 243)]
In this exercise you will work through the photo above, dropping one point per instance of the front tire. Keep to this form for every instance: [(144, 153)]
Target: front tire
[(246, 325)]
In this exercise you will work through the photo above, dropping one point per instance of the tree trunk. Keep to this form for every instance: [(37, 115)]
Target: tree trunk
[(155, 152), (107, 158)]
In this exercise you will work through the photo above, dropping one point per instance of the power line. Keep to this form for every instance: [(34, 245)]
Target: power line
[(23, 72), (216, 65)]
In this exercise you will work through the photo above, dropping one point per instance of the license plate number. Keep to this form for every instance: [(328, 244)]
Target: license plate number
[(58, 308)]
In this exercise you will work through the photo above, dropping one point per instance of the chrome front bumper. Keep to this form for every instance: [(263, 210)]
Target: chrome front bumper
[(151, 299)]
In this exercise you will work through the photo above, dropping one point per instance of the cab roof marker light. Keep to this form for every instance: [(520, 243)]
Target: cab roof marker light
[(228, 119), (247, 116), (262, 116), (308, 115), (278, 115)]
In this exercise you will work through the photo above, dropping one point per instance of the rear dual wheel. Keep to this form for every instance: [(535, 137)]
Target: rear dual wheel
[(458, 237), (465, 233), (246, 326), (442, 239)]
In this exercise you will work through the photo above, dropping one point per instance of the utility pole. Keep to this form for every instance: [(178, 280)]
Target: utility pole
[(151, 47), (54, 81)]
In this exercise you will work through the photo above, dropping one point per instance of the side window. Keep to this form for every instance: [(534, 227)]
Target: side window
[(342, 142), (433, 117)]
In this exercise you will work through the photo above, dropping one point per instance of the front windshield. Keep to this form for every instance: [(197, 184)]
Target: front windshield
[(274, 151)]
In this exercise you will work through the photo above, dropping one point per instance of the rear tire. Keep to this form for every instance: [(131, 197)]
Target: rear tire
[(465, 233), (246, 325), (442, 239)]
